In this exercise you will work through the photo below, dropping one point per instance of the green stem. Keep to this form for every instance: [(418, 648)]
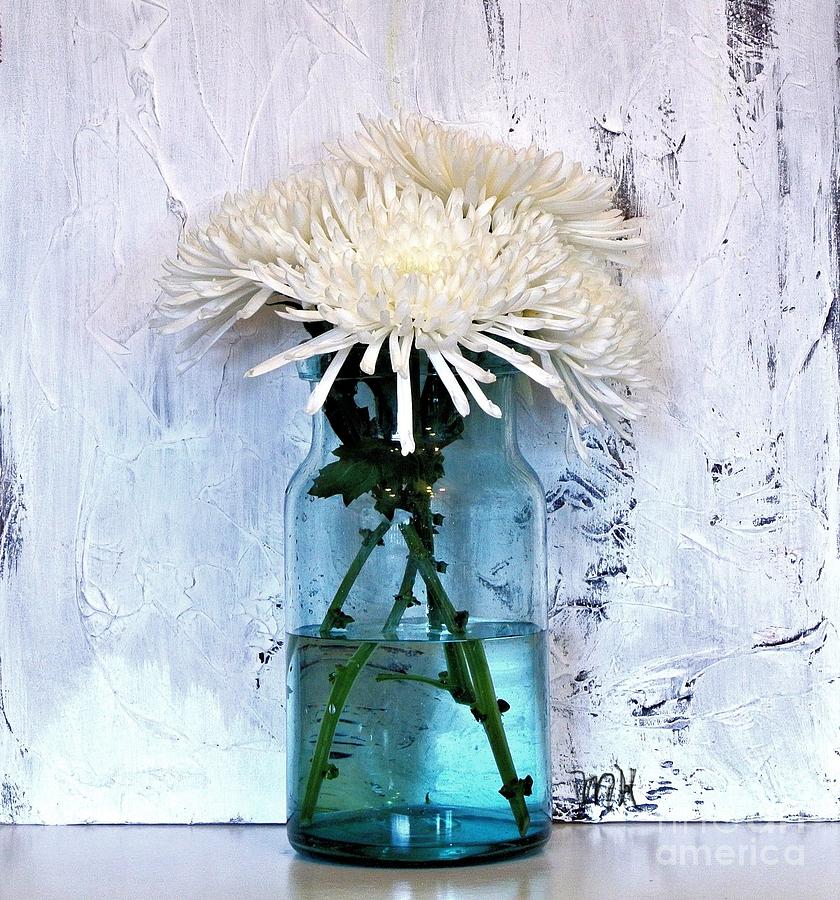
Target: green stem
[(345, 676), (459, 673), (335, 617), (343, 680), (513, 788), (405, 676), (486, 707), (456, 662), (403, 600), (426, 567), (452, 689)]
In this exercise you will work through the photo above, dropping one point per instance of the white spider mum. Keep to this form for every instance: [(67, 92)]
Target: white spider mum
[(207, 287), (601, 357), (395, 264), (443, 159)]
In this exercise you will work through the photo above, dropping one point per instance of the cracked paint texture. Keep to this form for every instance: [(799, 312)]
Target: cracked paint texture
[(694, 571)]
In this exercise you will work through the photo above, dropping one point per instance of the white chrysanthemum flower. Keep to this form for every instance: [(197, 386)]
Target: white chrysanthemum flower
[(395, 264), (602, 357), (443, 159), (202, 290)]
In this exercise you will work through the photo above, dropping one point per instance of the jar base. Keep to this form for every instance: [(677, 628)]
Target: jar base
[(417, 836)]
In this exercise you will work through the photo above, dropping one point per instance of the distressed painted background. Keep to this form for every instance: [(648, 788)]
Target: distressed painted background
[(696, 582)]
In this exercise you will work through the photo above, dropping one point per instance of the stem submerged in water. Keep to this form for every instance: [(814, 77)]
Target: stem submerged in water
[(319, 769), (486, 705), (469, 681), (343, 680)]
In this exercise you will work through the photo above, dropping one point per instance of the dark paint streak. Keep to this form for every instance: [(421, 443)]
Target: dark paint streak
[(4, 717), (663, 787), (598, 574), (3, 714), (12, 506), (771, 363), (831, 324), (503, 593), (783, 188), (264, 657), (781, 146), (719, 470), (606, 492), (161, 398), (834, 180), (617, 161), (679, 704), (594, 605), (749, 39), (495, 23), (13, 805), (764, 521), (670, 163), (792, 639), (615, 529), (749, 34), (578, 492), (832, 320)]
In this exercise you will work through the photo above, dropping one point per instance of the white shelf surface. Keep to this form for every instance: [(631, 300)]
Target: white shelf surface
[(124, 862)]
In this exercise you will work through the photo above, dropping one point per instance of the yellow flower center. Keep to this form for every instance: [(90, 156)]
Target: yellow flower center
[(416, 262)]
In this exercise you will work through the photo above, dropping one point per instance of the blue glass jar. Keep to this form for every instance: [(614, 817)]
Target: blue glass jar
[(417, 686)]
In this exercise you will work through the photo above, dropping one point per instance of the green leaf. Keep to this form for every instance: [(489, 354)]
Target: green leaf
[(375, 465), (348, 477)]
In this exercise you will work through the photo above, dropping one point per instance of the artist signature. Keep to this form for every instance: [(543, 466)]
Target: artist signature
[(605, 789)]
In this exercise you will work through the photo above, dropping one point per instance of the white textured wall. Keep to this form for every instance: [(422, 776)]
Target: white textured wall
[(697, 596)]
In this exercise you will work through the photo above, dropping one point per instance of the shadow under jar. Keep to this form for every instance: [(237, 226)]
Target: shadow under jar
[(417, 686)]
